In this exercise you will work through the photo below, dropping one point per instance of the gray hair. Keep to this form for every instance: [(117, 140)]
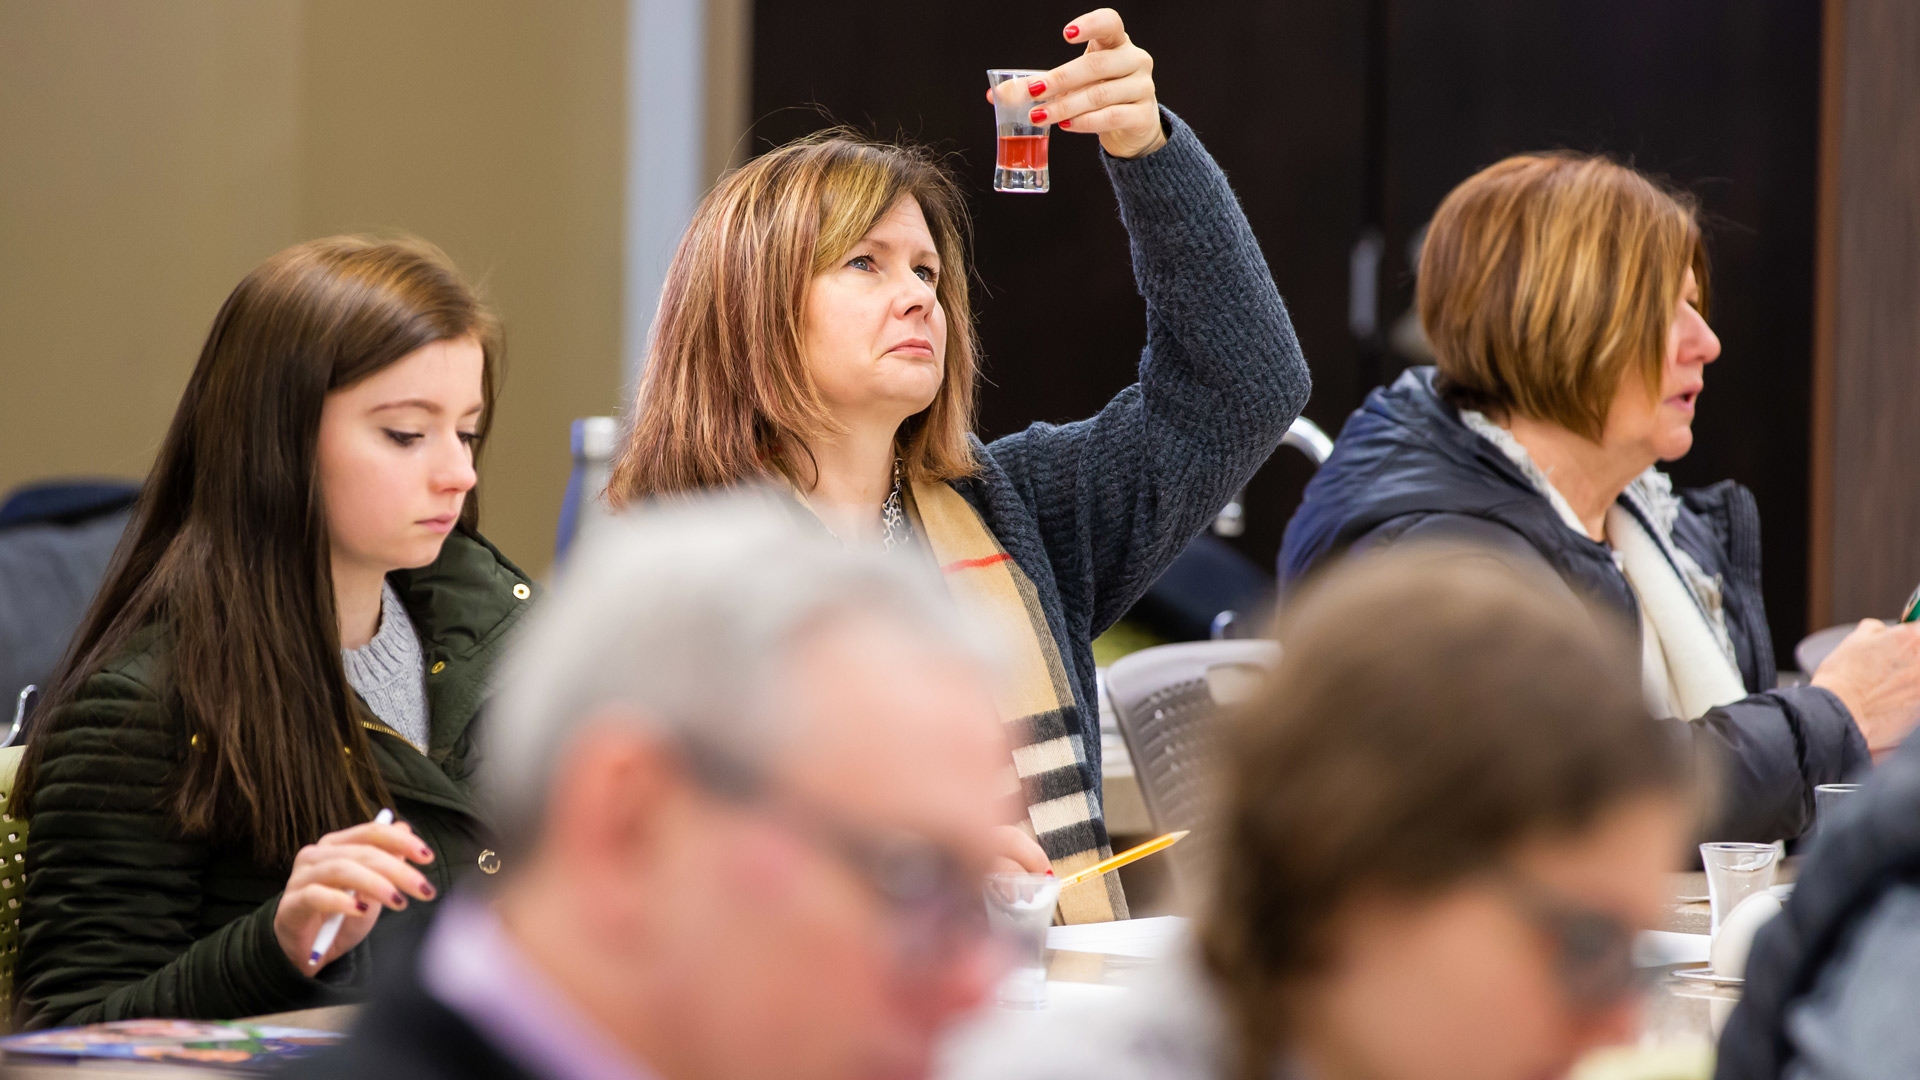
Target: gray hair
[(683, 615)]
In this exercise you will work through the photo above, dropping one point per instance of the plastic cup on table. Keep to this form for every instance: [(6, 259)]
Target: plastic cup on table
[(1020, 148), (1826, 801), (1019, 909), (1736, 871)]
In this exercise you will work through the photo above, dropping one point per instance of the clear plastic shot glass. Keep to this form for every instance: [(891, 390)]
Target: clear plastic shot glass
[(1019, 909), (1735, 872), (1020, 152), (1826, 802)]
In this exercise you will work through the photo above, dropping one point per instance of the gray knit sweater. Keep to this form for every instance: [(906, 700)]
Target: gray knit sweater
[(389, 672), (1093, 511)]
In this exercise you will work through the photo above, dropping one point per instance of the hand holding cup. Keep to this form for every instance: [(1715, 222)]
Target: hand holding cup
[(1107, 91)]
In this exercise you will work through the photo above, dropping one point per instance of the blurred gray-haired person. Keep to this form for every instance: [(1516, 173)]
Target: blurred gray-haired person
[(748, 785)]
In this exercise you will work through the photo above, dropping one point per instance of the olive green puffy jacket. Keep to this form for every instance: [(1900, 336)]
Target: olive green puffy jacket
[(127, 917)]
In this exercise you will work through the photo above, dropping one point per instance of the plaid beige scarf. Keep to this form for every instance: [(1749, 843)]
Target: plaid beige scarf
[(1036, 703)]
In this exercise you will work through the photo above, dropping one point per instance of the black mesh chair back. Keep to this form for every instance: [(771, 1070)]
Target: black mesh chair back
[(1166, 700)]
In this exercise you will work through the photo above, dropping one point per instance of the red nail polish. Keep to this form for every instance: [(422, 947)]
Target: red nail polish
[(398, 900), (1072, 32), (1038, 116), (362, 905), (1036, 88), (427, 891), (1066, 123)]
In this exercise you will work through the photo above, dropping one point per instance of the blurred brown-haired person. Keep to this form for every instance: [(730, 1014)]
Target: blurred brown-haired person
[(297, 632), (1430, 862), (1565, 299)]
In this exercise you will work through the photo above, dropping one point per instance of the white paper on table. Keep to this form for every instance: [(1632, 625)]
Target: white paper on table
[(1150, 938), (1656, 948), (1076, 995)]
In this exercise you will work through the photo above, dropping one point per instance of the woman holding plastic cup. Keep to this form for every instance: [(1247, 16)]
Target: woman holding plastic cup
[(815, 332)]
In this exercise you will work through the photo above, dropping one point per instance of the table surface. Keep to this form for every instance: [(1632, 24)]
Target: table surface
[(1682, 1018)]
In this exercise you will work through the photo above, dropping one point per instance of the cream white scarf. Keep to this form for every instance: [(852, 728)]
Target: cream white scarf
[(1687, 661)]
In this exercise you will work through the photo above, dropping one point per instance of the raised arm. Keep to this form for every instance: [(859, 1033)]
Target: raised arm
[(1121, 494)]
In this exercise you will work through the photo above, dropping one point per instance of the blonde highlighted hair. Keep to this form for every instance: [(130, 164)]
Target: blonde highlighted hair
[(726, 396), (1545, 278)]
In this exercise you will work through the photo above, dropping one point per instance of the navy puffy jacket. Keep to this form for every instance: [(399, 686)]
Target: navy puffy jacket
[(1405, 468)]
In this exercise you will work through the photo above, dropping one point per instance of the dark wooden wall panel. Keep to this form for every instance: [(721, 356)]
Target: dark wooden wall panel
[(1870, 557), (1275, 90), (1718, 97), (1332, 116)]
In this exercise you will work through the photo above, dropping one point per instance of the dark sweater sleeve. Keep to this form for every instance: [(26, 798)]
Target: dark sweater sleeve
[(1118, 496), (114, 892)]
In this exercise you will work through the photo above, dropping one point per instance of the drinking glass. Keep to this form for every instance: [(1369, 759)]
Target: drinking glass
[(1020, 152), (1826, 801), (1735, 872), (1020, 908)]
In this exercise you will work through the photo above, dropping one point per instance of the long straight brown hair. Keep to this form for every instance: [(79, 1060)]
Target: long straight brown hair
[(228, 545), (726, 396)]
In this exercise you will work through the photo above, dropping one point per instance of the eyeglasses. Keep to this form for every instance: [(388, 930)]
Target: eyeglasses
[(932, 895), (1593, 949)]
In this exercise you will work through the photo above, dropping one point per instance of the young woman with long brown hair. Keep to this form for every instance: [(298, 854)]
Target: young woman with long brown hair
[(814, 331), (295, 634)]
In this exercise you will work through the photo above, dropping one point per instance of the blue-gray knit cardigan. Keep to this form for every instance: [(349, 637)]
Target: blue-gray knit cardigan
[(1093, 511)]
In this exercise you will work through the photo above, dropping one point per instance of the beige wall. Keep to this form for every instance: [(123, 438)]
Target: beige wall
[(147, 160), (153, 153)]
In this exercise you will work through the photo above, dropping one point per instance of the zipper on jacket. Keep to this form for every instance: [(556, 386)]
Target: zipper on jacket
[(375, 725)]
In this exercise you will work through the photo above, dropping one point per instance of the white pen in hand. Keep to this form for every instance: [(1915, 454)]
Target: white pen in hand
[(331, 928)]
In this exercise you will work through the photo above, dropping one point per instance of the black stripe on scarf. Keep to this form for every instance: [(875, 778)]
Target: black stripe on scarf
[(1044, 727), (1077, 839), (1056, 783)]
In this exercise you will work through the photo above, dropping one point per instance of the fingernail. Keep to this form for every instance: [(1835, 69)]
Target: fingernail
[(1066, 123), (1049, 871), (362, 905), (1036, 87), (1038, 116), (1072, 32), (427, 891), (398, 900), (426, 855)]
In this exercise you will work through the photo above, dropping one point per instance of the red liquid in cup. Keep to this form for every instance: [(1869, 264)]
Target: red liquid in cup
[(1022, 152)]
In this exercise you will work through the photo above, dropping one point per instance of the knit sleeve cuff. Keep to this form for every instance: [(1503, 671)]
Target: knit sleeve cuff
[(1161, 182)]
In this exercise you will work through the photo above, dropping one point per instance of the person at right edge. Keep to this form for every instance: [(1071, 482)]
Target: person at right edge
[(1564, 296)]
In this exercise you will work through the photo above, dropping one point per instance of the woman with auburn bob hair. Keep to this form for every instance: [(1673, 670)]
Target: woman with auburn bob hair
[(815, 332), (295, 634), (1565, 299)]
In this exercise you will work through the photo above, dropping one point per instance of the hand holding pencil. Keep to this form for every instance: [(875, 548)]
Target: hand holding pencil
[(345, 879)]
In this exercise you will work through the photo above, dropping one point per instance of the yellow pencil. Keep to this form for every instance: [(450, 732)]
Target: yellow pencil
[(1132, 854)]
